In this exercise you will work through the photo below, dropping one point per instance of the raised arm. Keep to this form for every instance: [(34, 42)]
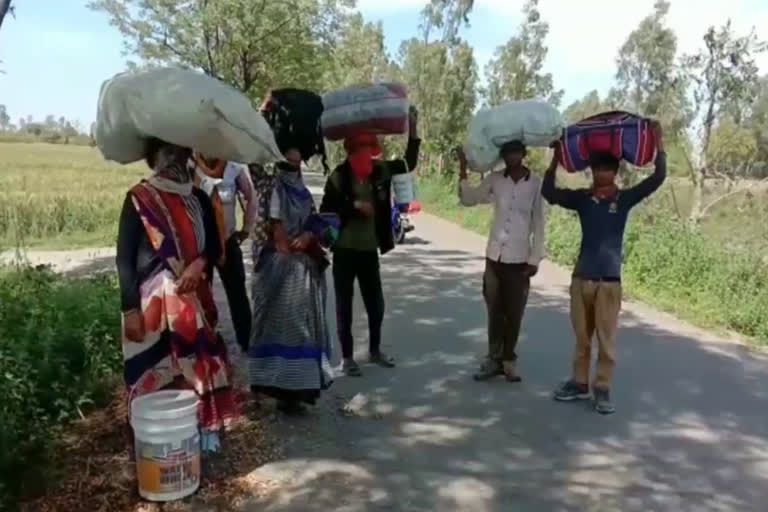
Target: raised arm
[(564, 197), (469, 195), (411, 157)]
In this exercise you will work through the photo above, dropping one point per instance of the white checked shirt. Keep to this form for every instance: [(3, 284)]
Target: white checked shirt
[(517, 234)]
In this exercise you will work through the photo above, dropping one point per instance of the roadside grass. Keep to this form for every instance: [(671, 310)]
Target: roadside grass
[(715, 276)]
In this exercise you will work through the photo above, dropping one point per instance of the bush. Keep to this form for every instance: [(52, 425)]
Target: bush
[(46, 137), (59, 355), (666, 263)]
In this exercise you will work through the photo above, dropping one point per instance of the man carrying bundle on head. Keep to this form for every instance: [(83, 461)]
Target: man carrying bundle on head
[(498, 138), (603, 211), (359, 191), (515, 250)]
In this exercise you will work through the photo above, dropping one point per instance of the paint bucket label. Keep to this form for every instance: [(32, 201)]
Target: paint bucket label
[(168, 467)]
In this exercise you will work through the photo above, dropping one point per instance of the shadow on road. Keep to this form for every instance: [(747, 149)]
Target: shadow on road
[(690, 432)]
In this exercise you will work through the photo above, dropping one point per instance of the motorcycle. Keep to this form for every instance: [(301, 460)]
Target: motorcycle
[(401, 222)]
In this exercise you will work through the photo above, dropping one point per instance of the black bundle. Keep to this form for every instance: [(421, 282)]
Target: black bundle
[(294, 116)]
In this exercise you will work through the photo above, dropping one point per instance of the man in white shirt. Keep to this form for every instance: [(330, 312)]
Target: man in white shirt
[(229, 183), (515, 249)]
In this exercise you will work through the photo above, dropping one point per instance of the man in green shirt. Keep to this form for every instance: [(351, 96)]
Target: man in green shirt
[(359, 191)]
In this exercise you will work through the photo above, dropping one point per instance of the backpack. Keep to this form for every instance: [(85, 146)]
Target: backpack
[(294, 116)]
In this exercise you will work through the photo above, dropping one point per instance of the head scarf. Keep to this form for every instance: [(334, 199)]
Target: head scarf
[(361, 150), (170, 173)]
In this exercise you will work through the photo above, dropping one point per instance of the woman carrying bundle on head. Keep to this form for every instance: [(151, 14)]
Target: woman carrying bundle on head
[(290, 349), (167, 244)]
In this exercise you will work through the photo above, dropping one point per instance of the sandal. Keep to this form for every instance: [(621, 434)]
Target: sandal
[(351, 369), (382, 360)]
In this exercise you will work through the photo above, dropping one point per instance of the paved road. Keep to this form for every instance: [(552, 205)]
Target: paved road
[(690, 434)]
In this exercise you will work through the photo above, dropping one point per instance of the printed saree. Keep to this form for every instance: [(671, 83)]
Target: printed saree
[(181, 348)]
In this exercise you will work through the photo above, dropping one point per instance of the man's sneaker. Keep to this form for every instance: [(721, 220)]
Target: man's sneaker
[(603, 403), (570, 390), (488, 370)]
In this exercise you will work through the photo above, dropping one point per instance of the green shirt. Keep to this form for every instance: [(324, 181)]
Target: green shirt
[(358, 233), (361, 233)]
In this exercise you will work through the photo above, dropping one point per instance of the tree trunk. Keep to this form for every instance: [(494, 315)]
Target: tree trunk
[(697, 198), (699, 174)]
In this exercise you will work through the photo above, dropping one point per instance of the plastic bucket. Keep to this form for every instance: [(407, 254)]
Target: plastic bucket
[(404, 188), (167, 437)]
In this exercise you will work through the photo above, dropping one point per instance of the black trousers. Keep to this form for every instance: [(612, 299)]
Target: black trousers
[(232, 274), (349, 265)]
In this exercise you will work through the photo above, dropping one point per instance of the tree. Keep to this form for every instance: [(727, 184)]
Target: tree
[(441, 75), (725, 76), (5, 8), (757, 122), (589, 105), (515, 72), (448, 16), (253, 45), (359, 55), (50, 123), (648, 79), (5, 119), (732, 152)]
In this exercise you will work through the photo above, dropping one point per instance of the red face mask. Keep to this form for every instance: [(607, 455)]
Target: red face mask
[(362, 150)]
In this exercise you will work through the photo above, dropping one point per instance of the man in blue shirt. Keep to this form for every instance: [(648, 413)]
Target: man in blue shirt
[(596, 284)]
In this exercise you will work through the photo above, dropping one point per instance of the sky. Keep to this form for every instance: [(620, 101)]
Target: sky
[(56, 53)]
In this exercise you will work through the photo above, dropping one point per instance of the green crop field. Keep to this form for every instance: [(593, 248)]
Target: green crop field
[(60, 196)]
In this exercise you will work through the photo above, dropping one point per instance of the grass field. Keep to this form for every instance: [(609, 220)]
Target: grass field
[(60, 196)]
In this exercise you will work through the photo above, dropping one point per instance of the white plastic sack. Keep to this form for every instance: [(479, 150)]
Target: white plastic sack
[(379, 109), (534, 123), (182, 107)]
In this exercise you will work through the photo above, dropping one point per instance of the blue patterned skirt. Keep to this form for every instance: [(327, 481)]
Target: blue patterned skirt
[(290, 350)]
